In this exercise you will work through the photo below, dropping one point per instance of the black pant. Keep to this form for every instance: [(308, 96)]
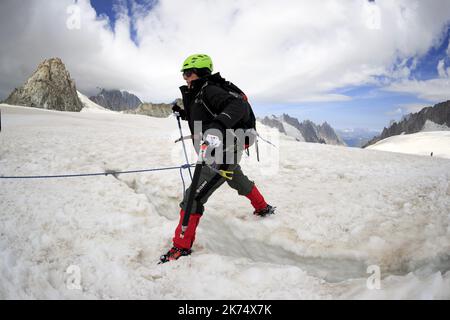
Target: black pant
[(210, 181)]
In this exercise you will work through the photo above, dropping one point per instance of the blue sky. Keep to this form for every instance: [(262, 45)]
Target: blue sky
[(106, 7), (370, 108)]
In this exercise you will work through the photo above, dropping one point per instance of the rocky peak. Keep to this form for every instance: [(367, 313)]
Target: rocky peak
[(306, 130), (329, 135), (49, 87)]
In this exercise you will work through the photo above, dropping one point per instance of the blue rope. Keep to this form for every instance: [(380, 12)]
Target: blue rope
[(185, 166)]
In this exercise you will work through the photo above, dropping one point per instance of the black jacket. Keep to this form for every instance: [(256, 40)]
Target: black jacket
[(219, 109)]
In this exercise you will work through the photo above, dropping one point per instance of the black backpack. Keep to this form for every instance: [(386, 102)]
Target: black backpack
[(249, 121)]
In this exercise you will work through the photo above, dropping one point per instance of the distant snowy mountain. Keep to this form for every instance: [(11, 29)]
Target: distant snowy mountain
[(116, 100), (341, 212), (306, 131), (415, 122), (128, 103), (89, 105), (356, 137), (422, 143)]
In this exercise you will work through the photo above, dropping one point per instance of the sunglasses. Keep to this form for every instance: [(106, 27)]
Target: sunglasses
[(188, 73)]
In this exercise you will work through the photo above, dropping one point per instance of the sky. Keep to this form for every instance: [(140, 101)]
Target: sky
[(354, 63)]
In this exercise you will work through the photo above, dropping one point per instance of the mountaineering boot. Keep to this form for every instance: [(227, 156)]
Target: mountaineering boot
[(174, 254), (268, 210), (182, 243)]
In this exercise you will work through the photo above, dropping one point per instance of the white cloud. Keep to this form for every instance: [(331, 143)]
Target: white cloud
[(434, 90), (283, 51), (404, 109), (395, 112), (413, 107)]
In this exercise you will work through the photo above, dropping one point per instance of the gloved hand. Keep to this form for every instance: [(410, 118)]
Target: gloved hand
[(212, 141), (178, 111), (214, 134), (208, 148)]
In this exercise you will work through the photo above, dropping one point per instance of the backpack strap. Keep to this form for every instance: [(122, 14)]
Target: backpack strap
[(199, 98), (233, 91)]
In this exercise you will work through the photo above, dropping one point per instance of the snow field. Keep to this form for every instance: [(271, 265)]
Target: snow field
[(340, 210)]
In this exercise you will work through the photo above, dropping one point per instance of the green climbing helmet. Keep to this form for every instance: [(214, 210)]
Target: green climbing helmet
[(197, 61)]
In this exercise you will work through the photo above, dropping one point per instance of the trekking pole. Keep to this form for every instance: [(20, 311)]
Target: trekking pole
[(266, 141), (193, 187), (182, 141), (257, 148)]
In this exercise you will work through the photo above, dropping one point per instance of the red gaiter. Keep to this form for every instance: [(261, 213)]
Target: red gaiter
[(189, 236), (256, 199)]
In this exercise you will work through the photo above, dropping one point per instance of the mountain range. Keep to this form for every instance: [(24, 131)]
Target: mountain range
[(116, 100), (437, 115), (306, 131), (51, 87)]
